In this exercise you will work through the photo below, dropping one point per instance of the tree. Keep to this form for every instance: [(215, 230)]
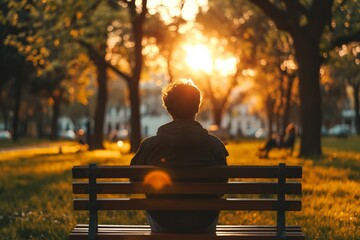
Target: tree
[(86, 24), (93, 26), (135, 63), (343, 50), (305, 22), (344, 65), (260, 47), (274, 79), (14, 30)]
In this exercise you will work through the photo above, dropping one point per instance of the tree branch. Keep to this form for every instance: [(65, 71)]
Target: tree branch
[(276, 14), (96, 57), (354, 37), (126, 77), (320, 16)]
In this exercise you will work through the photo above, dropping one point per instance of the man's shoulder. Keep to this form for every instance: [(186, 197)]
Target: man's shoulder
[(215, 140), (150, 140), (217, 144)]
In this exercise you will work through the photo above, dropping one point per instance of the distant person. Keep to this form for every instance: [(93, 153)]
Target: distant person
[(182, 142), (280, 141), (82, 140)]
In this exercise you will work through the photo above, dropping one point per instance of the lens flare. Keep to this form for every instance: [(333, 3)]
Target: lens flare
[(157, 179)]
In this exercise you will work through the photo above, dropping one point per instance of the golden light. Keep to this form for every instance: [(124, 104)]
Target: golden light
[(226, 66), (120, 143), (198, 57), (169, 9), (248, 72), (288, 65), (157, 179)]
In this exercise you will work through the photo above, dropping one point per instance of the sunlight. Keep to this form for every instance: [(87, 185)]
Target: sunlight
[(199, 58), (248, 72), (207, 56), (170, 9), (226, 66)]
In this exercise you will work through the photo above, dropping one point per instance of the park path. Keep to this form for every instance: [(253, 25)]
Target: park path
[(36, 146)]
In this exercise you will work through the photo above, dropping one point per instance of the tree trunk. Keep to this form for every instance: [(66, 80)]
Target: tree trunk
[(97, 137), (97, 56), (307, 54), (39, 120), (356, 89), (17, 109), (56, 114), (270, 115), (217, 114), (135, 138), (287, 107), (137, 23), (4, 113)]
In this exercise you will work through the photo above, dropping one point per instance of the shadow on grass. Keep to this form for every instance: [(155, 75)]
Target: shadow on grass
[(347, 162)]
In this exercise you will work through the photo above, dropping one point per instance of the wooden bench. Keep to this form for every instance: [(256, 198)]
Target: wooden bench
[(287, 146), (241, 181)]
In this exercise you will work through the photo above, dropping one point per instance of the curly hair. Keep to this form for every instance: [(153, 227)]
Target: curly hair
[(182, 99)]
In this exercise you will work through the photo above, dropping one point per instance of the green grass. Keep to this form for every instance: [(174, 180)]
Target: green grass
[(36, 198)]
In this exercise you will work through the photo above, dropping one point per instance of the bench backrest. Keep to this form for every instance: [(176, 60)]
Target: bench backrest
[(199, 180)]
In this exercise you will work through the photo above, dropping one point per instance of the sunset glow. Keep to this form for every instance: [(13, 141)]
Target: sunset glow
[(199, 58)]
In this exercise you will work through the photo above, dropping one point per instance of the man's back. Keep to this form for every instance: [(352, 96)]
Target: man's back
[(182, 143)]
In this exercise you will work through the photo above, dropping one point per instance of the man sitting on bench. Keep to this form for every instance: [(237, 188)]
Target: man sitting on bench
[(280, 141), (182, 142)]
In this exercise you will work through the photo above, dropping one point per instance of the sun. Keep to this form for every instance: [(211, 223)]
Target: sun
[(199, 57)]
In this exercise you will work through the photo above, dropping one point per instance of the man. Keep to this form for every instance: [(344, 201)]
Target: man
[(280, 141), (182, 143)]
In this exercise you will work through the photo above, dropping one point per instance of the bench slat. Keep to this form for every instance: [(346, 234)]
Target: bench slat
[(81, 228), (218, 227), (241, 232), (187, 204), (243, 236), (189, 173), (188, 188), (238, 230)]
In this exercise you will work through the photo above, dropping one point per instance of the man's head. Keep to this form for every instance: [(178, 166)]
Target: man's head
[(182, 99)]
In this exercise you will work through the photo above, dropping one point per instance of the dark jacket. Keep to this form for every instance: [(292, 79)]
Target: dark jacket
[(182, 143)]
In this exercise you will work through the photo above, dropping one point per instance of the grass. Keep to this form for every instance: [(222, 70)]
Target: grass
[(36, 198)]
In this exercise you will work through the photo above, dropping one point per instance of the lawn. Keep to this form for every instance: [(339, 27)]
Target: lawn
[(36, 198)]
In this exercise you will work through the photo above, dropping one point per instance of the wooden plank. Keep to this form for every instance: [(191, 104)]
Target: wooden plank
[(218, 227), (189, 173), (80, 228), (188, 188), (219, 231), (164, 236), (187, 204)]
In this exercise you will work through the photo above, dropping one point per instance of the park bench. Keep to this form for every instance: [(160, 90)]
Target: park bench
[(287, 146), (252, 188)]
